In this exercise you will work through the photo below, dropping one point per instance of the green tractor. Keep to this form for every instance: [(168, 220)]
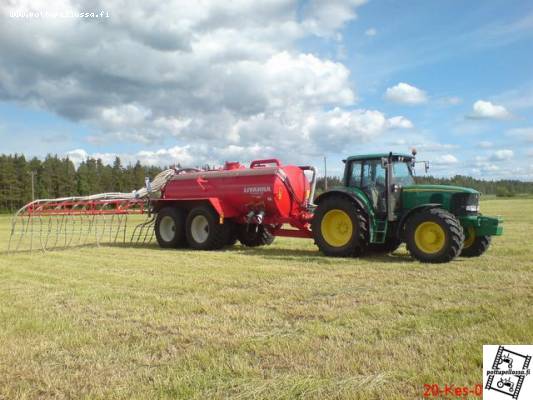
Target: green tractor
[(379, 207)]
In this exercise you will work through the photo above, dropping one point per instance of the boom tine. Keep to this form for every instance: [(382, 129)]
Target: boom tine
[(30, 221), (13, 227), (119, 218), (146, 233), (20, 235), (125, 228), (111, 227), (82, 218), (43, 248)]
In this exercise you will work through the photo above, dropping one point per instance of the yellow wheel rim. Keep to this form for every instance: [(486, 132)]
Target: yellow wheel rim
[(470, 238), (430, 237), (336, 228)]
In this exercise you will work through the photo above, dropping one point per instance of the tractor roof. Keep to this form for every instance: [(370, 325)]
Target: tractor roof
[(377, 155)]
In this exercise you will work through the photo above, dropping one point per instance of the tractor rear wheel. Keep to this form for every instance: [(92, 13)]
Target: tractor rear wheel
[(474, 246), (253, 235), (434, 236), (170, 227), (339, 227), (203, 230)]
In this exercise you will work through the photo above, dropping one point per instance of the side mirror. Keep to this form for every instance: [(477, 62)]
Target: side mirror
[(384, 162), (426, 166)]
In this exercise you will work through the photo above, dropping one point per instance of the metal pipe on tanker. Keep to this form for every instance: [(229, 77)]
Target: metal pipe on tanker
[(311, 196)]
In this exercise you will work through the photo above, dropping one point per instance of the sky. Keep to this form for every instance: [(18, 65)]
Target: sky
[(211, 81)]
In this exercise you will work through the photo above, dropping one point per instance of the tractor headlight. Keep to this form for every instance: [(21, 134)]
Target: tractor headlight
[(472, 208)]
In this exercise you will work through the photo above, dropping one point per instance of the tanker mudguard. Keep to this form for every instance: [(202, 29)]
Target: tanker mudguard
[(343, 192)]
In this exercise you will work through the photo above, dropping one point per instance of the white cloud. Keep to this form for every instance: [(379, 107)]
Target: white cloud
[(486, 110), (77, 155), (502, 155), (323, 18), (484, 144), (400, 122), (404, 93), (371, 32), (435, 147), (525, 134), (445, 159)]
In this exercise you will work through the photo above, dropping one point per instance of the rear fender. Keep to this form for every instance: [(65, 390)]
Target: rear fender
[(355, 197)]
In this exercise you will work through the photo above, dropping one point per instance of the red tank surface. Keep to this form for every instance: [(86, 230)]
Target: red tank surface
[(266, 192)]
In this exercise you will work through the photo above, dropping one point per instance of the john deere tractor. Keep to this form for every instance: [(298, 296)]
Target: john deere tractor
[(379, 207)]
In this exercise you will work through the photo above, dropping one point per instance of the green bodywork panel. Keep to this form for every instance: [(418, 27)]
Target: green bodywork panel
[(484, 226), (416, 195)]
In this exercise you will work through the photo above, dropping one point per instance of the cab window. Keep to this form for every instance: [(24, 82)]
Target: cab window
[(354, 180), (402, 174)]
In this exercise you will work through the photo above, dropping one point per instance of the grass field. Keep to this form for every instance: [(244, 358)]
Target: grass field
[(280, 322)]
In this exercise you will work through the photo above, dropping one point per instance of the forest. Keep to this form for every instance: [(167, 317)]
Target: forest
[(58, 177)]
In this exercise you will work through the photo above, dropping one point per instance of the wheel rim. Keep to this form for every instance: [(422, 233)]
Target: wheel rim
[(337, 228), (470, 237), (200, 228), (430, 237), (167, 228)]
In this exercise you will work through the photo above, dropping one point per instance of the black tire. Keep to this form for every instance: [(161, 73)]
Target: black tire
[(452, 236), (232, 233), (203, 229), (170, 227), (389, 246), (253, 235), (477, 247), (349, 246)]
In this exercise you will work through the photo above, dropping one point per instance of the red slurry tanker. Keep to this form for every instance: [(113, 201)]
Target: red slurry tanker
[(211, 209)]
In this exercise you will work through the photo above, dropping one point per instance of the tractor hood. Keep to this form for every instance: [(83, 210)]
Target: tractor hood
[(439, 188)]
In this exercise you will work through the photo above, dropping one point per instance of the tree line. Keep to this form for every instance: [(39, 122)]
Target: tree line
[(58, 177)]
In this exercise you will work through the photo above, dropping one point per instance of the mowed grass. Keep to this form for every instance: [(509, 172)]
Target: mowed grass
[(280, 322)]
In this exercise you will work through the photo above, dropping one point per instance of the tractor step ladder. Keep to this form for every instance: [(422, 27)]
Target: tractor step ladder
[(380, 231)]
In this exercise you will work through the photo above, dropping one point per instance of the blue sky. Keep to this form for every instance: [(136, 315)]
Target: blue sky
[(297, 80)]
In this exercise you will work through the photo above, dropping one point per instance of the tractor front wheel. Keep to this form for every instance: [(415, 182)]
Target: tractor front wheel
[(204, 231), (170, 227), (474, 246), (434, 236), (339, 228)]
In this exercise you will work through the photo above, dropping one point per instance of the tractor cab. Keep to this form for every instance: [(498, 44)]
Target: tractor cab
[(380, 177)]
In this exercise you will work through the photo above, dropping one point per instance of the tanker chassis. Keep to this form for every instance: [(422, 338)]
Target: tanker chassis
[(377, 208)]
